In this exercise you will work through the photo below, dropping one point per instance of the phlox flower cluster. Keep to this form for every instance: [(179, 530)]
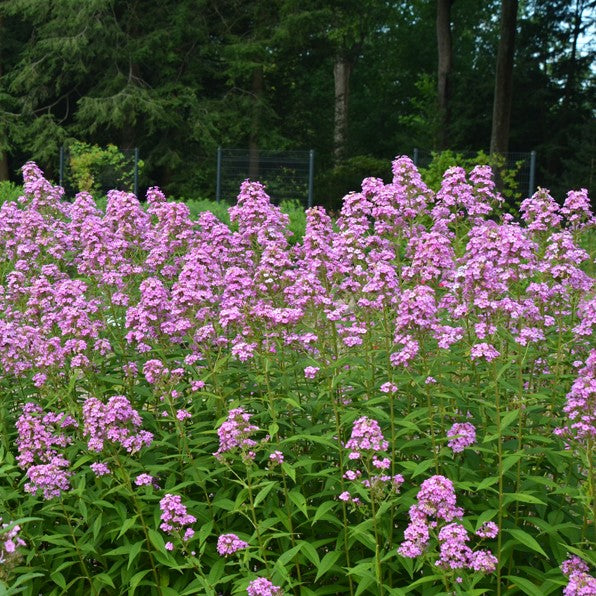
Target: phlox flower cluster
[(366, 437), (367, 445), (175, 519), (461, 435), (146, 480), (10, 542), (262, 587), (235, 435), (434, 514), (228, 544), (580, 406), (580, 582), (40, 443), (204, 286), (116, 421)]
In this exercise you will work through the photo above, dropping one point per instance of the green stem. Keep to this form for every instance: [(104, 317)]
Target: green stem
[(378, 569), (84, 568), (139, 511), (499, 474), (255, 523), (290, 522)]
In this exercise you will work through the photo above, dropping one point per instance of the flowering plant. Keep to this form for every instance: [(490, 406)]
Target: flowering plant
[(399, 401)]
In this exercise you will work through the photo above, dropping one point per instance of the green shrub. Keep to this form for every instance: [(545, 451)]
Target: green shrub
[(91, 166), (9, 191)]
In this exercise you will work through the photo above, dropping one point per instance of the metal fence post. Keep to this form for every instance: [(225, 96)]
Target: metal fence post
[(136, 172), (218, 177), (532, 173), (416, 156), (311, 176), (61, 167)]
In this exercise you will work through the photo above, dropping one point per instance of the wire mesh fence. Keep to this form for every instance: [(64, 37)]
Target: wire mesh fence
[(286, 174), (98, 170), (523, 163)]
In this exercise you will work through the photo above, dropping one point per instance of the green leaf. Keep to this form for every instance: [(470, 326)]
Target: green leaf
[(522, 498), (116, 552), (216, 571), (327, 562), (105, 579), (262, 494), (485, 516), (128, 523), (134, 552), (322, 511), (508, 419), (287, 556), (289, 470), (135, 580), (527, 540), (310, 552), (525, 585), (97, 524), (487, 482), (156, 540), (422, 467), (298, 499), (58, 579)]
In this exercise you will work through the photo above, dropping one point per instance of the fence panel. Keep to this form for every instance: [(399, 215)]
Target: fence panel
[(286, 174)]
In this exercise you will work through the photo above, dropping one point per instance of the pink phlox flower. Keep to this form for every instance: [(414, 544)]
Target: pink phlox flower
[(235, 433), (174, 516), (228, 544), (487, 530), (262, 587), (461, 435)]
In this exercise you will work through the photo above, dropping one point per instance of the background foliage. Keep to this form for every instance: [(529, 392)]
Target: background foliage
[(179, 79)]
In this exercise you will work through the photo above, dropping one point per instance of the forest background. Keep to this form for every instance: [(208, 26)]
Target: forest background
[(358, 81)]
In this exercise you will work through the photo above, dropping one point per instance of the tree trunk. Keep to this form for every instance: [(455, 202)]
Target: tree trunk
[(128, 133), (499, 141), (253, 141), (445, 56), (4, 175), (342, 69), (571, 76)]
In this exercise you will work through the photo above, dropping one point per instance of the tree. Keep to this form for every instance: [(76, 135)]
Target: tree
[(445, 65), (499, 141)]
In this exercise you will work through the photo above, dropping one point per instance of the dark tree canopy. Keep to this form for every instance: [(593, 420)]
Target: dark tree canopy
[(368, 78)]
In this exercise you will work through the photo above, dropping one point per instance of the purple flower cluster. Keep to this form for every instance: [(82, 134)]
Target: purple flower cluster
[(435, 510), (117, 421), (366, 437), (366, 444), (581, 405), (262, 587), (10, 542), (40, 442), (205, 286), (228, 544), (146, 480), (461, 435), (175, 518), (235, 435), (580, 582)]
